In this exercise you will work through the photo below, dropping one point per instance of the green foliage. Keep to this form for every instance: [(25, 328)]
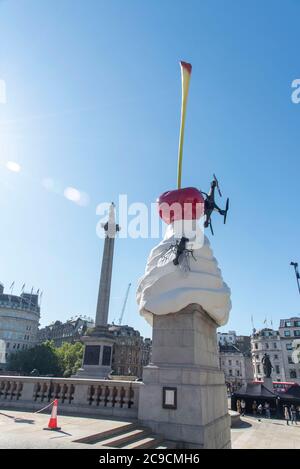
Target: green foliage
[(48, 360), (70, 357), (41, 357)]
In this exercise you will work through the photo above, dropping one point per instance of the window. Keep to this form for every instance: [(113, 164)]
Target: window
[(293, 374), (288, 324), (257, 357), (297, 333), (237, 363), (237, 372), (256, 345), (230, 372), (287, 333), (290, 361), (297, 324), (229, 362), (275, 345), (277, 369), (276, 357), (289, 347), (258, 368), (267, 345)]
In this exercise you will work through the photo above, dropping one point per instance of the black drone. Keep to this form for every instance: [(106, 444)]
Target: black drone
[(210, 204)]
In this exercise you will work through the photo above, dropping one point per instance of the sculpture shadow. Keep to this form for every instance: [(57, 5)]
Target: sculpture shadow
[(242, 424), (18, 419)]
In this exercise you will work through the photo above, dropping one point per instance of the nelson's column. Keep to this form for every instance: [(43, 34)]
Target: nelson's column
[(99, 343)]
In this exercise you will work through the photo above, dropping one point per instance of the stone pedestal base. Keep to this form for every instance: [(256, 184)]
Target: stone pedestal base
[(97, 354), (184, 396), (268, 383)]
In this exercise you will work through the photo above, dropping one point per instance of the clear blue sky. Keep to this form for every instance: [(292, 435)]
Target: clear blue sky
[(93, 101)]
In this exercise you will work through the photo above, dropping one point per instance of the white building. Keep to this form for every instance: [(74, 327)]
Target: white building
[(267, 341), (289, 331), (19, 320), (236, 365), (226, 338)]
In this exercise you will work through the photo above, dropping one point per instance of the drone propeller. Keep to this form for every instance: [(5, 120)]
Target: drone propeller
[(217, 184), (226, 210)]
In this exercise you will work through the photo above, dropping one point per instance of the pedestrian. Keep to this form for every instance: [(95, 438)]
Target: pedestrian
[(267, 410), (243, 407), (238, 406), (254, 407), (259, 410), (293, 413), (286, 414)]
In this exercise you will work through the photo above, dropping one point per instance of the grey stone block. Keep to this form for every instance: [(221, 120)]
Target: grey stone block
[(185, 356)]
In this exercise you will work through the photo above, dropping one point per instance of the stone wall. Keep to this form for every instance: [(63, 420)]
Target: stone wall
[(81, 396)]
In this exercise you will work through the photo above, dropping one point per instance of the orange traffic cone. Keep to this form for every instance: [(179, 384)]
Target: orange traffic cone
[(52, 425)]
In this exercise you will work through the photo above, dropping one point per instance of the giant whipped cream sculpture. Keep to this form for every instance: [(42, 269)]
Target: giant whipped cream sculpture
[(182, 270)]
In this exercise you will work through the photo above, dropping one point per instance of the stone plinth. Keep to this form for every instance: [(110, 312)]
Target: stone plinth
[(98, 349), (268, 383), (184, 395)]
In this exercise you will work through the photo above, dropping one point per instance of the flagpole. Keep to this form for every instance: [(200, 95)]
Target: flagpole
[(41, 296), (11, 291), (295, 265), (22, 291)]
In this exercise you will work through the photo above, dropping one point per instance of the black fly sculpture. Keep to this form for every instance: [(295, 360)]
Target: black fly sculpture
[(210, 205), (180, 253), (179, 250)]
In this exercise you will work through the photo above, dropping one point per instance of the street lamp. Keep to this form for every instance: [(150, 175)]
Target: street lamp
[(295, 265)]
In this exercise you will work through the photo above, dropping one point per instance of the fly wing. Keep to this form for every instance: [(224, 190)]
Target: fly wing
[(184, 262), (166, 256)]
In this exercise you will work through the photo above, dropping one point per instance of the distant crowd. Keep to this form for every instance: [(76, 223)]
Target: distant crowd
[(291, 413)]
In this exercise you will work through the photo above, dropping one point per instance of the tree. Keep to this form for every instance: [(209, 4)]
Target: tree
[(48, 360), (70, 357), (42, 357)]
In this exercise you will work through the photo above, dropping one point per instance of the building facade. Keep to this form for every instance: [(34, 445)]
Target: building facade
[(236, 365), (130, 351), (70, 331), (289, 331), (19, 321), (146, 352), (226, 338), (267, 341)]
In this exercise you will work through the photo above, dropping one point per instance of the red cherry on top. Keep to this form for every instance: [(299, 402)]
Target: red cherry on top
[(181, 204)]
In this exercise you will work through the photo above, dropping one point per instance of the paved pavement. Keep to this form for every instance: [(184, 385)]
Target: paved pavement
[(266, 434), (25, 430)]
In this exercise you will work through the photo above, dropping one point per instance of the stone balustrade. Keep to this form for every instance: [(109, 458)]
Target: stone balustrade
[(86, 396)]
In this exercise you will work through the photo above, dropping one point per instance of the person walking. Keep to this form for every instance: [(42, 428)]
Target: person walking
[(243, 407), (260, 409), (286, 414), (267, 410), (293, 413), (254, 407)]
